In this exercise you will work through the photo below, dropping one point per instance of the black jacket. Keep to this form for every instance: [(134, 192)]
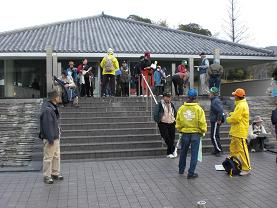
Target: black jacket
[(159, 111), (49, 122)]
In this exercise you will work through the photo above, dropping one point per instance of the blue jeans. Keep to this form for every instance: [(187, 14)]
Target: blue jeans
[(192, 139)]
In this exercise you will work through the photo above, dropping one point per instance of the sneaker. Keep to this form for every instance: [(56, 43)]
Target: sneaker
[(171, 156), (48, 180), (175, 154), (57, 177), (244, 173), (195, 175), (253, 150)]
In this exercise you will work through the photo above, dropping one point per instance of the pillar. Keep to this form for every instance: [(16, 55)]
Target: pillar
[(191, 73), (49, 69), (9, 74)]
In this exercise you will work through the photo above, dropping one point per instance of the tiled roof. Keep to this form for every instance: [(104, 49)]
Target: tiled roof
[(98, 33)]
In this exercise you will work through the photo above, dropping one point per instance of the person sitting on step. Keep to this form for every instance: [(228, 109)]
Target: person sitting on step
[(257, 135)]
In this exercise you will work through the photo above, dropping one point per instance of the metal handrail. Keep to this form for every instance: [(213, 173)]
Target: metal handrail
[(153, 96)]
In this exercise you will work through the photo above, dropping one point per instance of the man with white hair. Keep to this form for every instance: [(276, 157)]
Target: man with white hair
[(109, 64), (215, 72)]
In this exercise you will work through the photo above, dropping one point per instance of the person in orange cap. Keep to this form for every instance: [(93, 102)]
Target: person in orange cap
[(239, 121)]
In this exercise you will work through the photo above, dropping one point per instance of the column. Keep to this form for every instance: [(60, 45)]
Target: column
[(9, 74), (191, 73), (49, 69)]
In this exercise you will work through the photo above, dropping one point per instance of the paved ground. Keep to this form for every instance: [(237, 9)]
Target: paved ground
[(143, 183)]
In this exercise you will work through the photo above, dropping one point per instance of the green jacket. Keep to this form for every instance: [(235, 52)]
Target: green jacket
[(191, 119)]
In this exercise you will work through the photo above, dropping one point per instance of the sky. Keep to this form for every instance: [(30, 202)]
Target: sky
[(259, 17)]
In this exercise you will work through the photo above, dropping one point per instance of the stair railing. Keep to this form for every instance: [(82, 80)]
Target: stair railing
[(151, 93)]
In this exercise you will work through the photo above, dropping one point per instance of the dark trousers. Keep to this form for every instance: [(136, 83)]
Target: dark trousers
[(158, 90), (125, 89), (187, 140), (168, 134), (178, 85), (215, 137), (214, 82), (108, 79), (257, 144), (87, 86), (82, 90)]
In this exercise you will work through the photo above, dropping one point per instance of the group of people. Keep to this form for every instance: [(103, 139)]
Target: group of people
[(210, 75), (190, 122)]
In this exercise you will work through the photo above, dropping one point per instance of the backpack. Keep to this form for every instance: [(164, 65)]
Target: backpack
[(109, 64), (232, 165), (274, 117)]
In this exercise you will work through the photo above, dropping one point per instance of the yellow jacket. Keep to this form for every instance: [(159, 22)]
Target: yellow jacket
[(114, 63), (239, 119), (191, 119)]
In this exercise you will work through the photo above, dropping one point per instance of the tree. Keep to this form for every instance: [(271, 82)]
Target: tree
[(140, 19), (162, 23), (234, 30), (195, 28)]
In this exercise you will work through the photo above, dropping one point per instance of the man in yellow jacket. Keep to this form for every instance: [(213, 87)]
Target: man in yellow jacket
[(191, 123), (109, 64), (239, 121)]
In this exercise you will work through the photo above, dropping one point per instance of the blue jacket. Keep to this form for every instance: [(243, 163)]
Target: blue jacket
[(158, 78), (159, 112), (49, 122), (216, 110)]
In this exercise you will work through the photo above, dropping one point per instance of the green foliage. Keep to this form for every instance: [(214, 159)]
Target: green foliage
[(237, 74), (140, 19), (195, 28), (162, 23)]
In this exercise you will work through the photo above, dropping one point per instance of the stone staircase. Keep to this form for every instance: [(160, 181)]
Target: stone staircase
[(18, 133), (117, 128)]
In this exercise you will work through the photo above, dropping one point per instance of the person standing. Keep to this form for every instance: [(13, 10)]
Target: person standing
[(136, 76), (147, 72), (216, 117), (158, 76), (239, 121), (164, 115), (109, 64), (125, 78), (50, 134), (215, 72), (191, 123), (84, 68), (203, 67)]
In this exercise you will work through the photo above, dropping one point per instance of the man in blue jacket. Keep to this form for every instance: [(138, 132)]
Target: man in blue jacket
[(50, 134), (216, 118)]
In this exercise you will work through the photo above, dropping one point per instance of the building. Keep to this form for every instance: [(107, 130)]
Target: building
[(30, 57)]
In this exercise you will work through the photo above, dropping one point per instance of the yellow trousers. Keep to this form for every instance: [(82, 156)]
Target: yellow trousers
[(238, 148), (51, 158)]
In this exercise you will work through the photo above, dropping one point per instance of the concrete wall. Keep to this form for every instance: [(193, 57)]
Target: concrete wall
[(252, 88)]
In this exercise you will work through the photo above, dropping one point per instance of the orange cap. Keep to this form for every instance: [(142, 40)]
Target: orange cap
[(239, 92)]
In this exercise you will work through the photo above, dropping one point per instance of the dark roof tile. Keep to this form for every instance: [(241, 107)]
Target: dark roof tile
[(97, 34)]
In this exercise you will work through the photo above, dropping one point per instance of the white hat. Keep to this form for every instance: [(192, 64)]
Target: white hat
[(258, 119), (110, 51)]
